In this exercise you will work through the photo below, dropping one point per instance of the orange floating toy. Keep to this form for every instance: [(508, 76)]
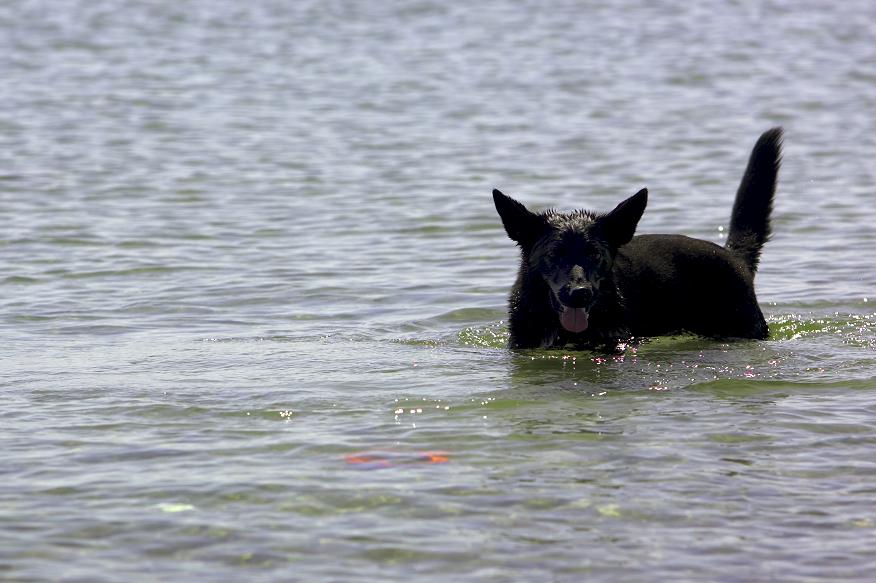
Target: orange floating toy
[(376, 460)]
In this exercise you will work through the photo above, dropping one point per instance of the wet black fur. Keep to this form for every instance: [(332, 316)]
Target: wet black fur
[(647, 285)]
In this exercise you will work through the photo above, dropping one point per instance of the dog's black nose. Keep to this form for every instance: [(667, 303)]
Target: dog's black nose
[(580, 297)]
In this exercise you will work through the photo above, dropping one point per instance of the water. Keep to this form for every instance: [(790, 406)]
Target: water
[(243, 242)]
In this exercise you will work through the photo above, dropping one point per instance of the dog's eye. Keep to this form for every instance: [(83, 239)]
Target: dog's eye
[(592, 255)]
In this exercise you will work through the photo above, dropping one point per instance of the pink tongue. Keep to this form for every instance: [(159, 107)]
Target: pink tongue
[(574, 319)]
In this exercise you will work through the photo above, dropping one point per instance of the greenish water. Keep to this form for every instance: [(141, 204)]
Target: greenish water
[(245, 246)]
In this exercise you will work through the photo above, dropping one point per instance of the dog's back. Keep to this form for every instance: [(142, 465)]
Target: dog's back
[(673, 283)]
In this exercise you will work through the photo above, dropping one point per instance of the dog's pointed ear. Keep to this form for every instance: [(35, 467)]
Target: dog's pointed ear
[(619, 226), (521, 224)]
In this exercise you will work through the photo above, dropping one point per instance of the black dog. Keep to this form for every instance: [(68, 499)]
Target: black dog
[(585, 280)]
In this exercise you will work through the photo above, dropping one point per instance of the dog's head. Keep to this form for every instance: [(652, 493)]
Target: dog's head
[(573, 253)]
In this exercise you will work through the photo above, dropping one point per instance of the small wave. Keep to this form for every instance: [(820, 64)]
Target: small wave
[(857, 328), (490, 336), (20, 280)]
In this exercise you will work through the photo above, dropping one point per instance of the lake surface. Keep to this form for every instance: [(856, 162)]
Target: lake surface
[(253, 286)]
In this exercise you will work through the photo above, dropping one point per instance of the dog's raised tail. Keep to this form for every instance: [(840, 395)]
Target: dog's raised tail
[(750, 220)]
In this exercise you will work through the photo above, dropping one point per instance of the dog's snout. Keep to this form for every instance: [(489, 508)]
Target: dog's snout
[(580, 297)]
